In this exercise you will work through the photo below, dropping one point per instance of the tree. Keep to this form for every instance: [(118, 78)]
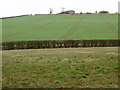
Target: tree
[(51, 10), (62, 9), (88, 13), (95, 11), (103, 12), (80, 12)]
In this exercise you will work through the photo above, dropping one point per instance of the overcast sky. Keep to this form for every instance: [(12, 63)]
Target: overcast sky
[(21, 7)]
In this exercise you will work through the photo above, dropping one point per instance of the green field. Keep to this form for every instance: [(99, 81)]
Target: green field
[(61, 68), (65, 67), (60, 27)]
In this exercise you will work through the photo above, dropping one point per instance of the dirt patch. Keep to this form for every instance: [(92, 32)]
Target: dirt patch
[(0, 52), (65, 59), (89, 60), (112, 53), (54, 57), (86, 52), (16, 56)]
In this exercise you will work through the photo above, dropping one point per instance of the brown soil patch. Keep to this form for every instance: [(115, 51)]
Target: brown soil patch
[(112, 53), (0, 52), (88, 60), (65, 59)]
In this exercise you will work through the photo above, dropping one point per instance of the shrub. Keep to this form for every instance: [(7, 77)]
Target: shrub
[(103, 12)]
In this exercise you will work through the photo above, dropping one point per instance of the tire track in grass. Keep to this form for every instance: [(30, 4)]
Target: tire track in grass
[(68, 35), (67, 32), (113, 28), (110, 25), (71, 31)]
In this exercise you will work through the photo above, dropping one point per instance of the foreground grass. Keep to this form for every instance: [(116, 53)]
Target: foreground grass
[(61, 68)]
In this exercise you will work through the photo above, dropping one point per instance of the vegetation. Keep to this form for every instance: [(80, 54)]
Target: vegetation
[(61, 27), (61, 68), (51, 10), (88, 13), (59, 44), (103, 12)]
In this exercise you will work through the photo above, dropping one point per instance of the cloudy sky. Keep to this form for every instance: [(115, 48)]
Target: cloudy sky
[(21, 7)]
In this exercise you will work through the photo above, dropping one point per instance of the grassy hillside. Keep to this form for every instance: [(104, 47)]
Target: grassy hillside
[(61, 68), (60, 27)]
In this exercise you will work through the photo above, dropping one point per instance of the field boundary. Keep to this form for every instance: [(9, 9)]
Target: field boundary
[(58, 44), (14, 16)]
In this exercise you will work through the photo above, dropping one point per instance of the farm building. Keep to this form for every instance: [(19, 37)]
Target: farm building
[(68, 12)]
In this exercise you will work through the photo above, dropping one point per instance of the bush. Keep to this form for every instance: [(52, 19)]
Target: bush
[(103, 12), (88, 13)]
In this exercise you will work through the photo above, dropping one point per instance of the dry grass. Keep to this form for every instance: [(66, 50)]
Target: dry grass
[(61, 68)]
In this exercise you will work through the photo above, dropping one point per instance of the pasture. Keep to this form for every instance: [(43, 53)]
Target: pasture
[(61, 68), (64, 67), (60, 27)]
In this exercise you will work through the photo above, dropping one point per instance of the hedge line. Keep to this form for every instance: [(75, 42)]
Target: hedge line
[(58, 44)]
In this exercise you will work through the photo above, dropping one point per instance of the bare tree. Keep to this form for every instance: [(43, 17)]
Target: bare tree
[(51, 10)]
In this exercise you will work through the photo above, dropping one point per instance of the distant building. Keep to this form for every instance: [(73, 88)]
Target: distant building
[(68, 12)]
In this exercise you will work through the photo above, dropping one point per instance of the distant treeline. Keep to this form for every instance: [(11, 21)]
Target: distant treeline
[(58, 44)]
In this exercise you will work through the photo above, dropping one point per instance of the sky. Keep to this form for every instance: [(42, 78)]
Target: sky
[(21, 7)]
